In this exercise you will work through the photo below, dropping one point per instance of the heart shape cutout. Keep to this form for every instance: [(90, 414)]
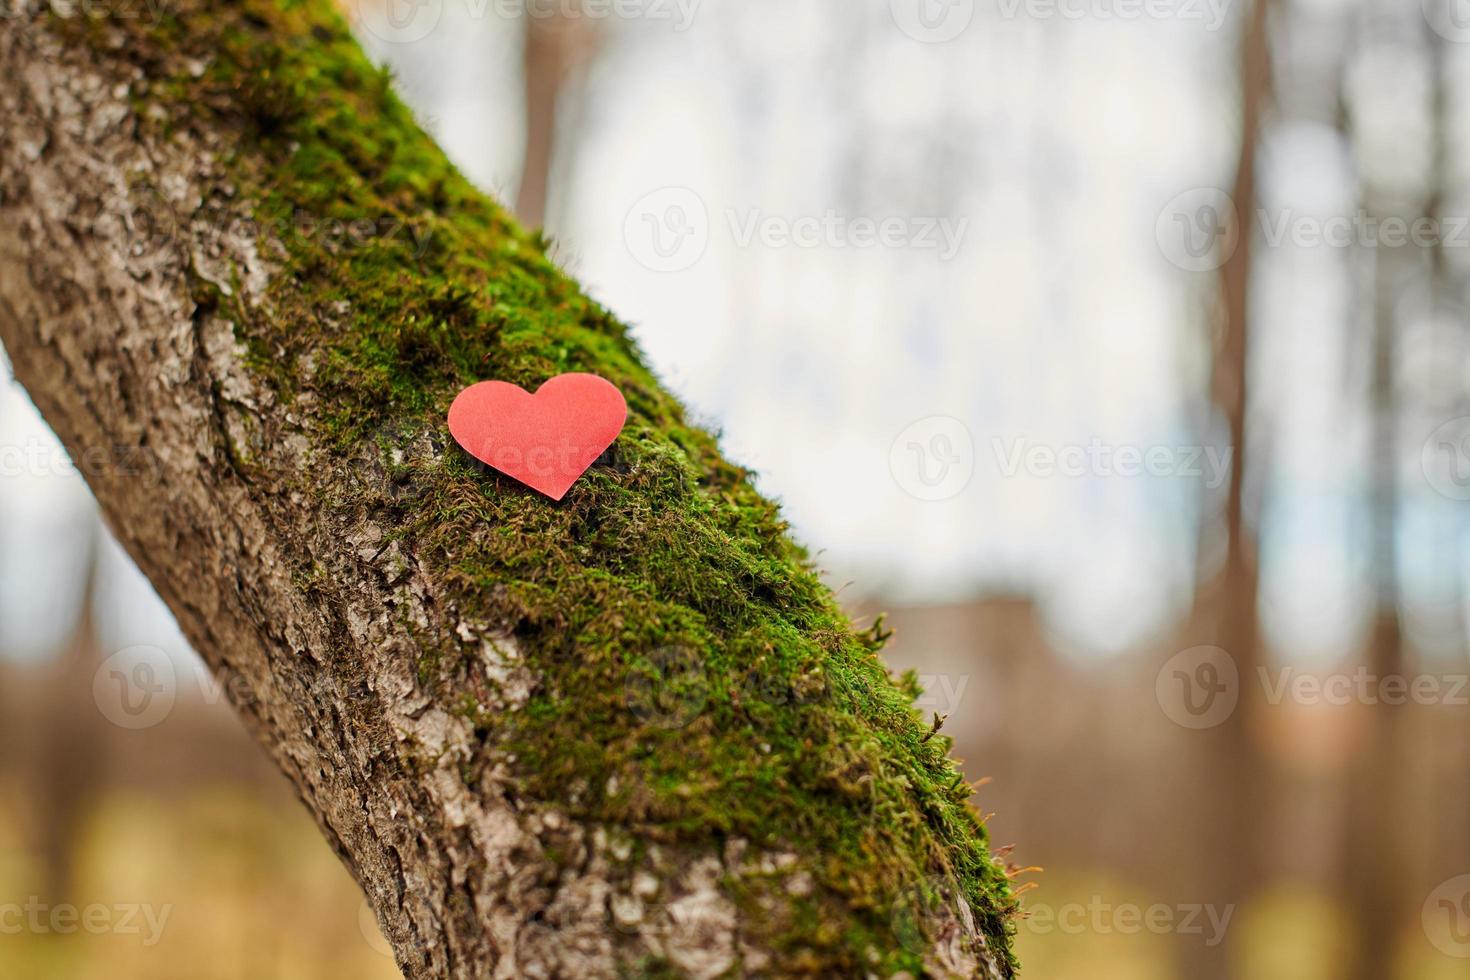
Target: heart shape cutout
[(546, 440)]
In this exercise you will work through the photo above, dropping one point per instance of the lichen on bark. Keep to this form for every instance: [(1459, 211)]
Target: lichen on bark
[(628, 734)]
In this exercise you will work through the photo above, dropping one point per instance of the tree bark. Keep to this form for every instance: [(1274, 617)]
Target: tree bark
[(626, 734)]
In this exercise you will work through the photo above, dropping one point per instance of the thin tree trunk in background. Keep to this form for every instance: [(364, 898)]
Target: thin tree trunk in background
[(1449, 733), (1373, 859), (1375, 855), (1233, 776), (1382, 866), (71, 744), (556, 47)]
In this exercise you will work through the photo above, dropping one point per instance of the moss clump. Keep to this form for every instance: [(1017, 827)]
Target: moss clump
[(698, 681)]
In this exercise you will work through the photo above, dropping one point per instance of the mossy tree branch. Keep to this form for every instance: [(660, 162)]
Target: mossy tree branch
[(626, 734)]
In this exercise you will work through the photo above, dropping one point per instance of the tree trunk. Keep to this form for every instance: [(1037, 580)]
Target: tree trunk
[(555, 51), (1236, 772), (626, 734), (69, 764)]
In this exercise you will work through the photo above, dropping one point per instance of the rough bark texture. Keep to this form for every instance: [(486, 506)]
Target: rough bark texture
[(445, 665)]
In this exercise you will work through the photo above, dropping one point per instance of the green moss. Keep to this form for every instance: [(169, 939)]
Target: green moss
[(697, 678)]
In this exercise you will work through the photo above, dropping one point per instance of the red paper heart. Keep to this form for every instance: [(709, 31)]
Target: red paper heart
[(545, 440)]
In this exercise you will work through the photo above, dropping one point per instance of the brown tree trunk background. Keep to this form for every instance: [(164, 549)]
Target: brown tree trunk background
[(1227, 604)]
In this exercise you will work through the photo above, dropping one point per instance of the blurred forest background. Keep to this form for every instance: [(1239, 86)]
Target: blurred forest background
[(1147, 419)]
